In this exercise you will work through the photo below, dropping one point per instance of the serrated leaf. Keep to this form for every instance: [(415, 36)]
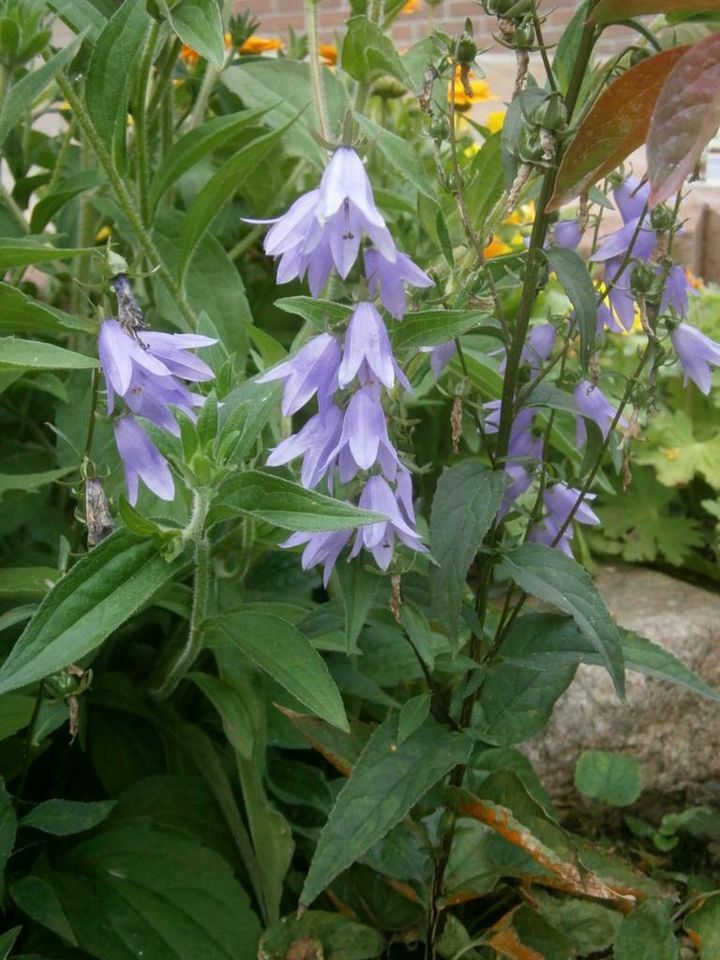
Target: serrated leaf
[(198, 24), (61, 818), (589, 926), (222, 185), (315, 309), (574, 276), (386, 782), (367, 53), (401, 155), (341, 750), (610, 11), (685, 118), (286, 504), (36, 355), (357, 590), (101, 591), (611, 778), (428, 328), (196, 144), (677, 454), (110, 73), (554, 578), (616, 125), (647, 934), (281, 650), (466, 502), (22, 94)]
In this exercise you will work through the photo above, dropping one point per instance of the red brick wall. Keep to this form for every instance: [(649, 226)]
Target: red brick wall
[(276, 16)]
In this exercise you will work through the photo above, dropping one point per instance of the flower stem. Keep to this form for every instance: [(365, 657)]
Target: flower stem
[(311, 28), (125, 200)]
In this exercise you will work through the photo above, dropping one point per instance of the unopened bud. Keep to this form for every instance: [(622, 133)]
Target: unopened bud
[(466, 49), (524, 35), (439, 128), (642, 279), (550, 113), (661, 218)]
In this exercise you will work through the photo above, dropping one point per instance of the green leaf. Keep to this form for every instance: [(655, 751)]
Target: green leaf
[(428, 328), (554, 578), (486, 182), (30, 482), (236, 719), (286, 504), (610, 11), (567, 49), (7, 941), (284, 87), (51, 203), (16, 711), (62, 818), (705, 924), (103, 589), (24, 251), (466, 501), (35, 355), (35, 897), (196, 144), (386, 782), (574, 276), (223, 184), (357, 590), (111, 70), (368, 54), (8, 829), (413, 713), (609, 777), (401, 155), (281, 650), (316, 310), (21, 96), (590, 927), (177, 899), (647, 934), (244, 414), (198, 24), (676, 451), (339, 937), (80, 14), (26, 583), (20, 313)]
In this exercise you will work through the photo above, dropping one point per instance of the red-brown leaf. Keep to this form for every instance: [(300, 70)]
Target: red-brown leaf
[(609, 11), (686, 117), (617, 124)]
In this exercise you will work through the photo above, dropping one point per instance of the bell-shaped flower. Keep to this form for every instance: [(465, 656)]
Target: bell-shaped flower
[(677, 291), (537, 347), (388, 278), (592, 404), (312, 370), (367, 350), (364, 440), (314, 442), (567, 234), (697, 354), (321, 548), (559, 500), (379, 538), (142, 461)]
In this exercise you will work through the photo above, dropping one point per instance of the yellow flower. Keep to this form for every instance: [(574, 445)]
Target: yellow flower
[(470, 151), (671, 453), (328, 54), (495, 120), (496, 248), (255, 44), (102, 234), (412, 6), (523, 216), (479, 91)]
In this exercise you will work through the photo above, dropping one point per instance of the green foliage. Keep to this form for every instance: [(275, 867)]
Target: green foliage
[(609, 777)]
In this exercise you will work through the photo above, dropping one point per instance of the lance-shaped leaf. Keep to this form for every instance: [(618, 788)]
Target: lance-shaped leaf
[(466, 502), (386, 782), (102, 590), (428, 328), (198, 24), (554, 578), (610, 11), (22, 251), (287, 505), (686, 117), (574, 276), (617, 124), (341, 750), (36, 355)]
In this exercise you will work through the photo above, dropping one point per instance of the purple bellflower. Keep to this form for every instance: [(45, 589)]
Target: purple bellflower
[(592, 404), (367, 349), (147, 370), (312, 370), (388, 278), (320, 548), (697, 353), (379, 538), (559, 500)]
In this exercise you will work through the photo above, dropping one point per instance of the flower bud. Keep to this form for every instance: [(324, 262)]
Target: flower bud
[(388, 88), (642, 279), (509, 9), (524, 35), (531, 148), (550, 113), (466, 49), (439, 128), (661, 218)]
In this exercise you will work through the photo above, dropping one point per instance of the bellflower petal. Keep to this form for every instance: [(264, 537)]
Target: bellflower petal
[(367, 340), (390, 279), (697, 353), (313, 369), (142, 461), (592, 404)]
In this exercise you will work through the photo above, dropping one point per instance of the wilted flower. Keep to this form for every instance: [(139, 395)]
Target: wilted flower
[(697, 353), (379, 538), (313, 370), (389, 279), (142, 461), (559, 500)]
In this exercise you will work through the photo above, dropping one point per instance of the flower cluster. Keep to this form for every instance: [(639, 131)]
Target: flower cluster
[(350, 377), (147, 370)]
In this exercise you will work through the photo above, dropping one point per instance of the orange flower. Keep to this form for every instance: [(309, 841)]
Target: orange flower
[(190, 56), (479, 91), (496, 248), (255, 44), (328, 54), (696, 282), (412, 6)]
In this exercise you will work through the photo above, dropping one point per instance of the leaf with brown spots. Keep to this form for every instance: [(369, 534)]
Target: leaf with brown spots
[(341, 750), (617, 124)]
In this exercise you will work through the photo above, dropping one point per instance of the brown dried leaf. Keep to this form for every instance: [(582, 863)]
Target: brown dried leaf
[(339, 749)]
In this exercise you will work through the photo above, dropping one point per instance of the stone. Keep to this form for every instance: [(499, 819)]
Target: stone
[(673, 733)]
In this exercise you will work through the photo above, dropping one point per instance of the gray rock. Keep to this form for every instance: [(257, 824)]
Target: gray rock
[(674, 734)]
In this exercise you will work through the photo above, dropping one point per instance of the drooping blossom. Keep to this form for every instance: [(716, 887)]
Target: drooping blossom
[(314, 442), (559, 500), (312, 370), (697, 354), (440, 356), (320, 548), (147, 370), (537, 347), (388, 279), (379, 538), (592, 404), (525, 450), (367, 344), (142, 461), (567, 234)]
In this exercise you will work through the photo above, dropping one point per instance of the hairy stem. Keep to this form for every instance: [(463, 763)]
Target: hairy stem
[(142, 130), (311, 28)]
